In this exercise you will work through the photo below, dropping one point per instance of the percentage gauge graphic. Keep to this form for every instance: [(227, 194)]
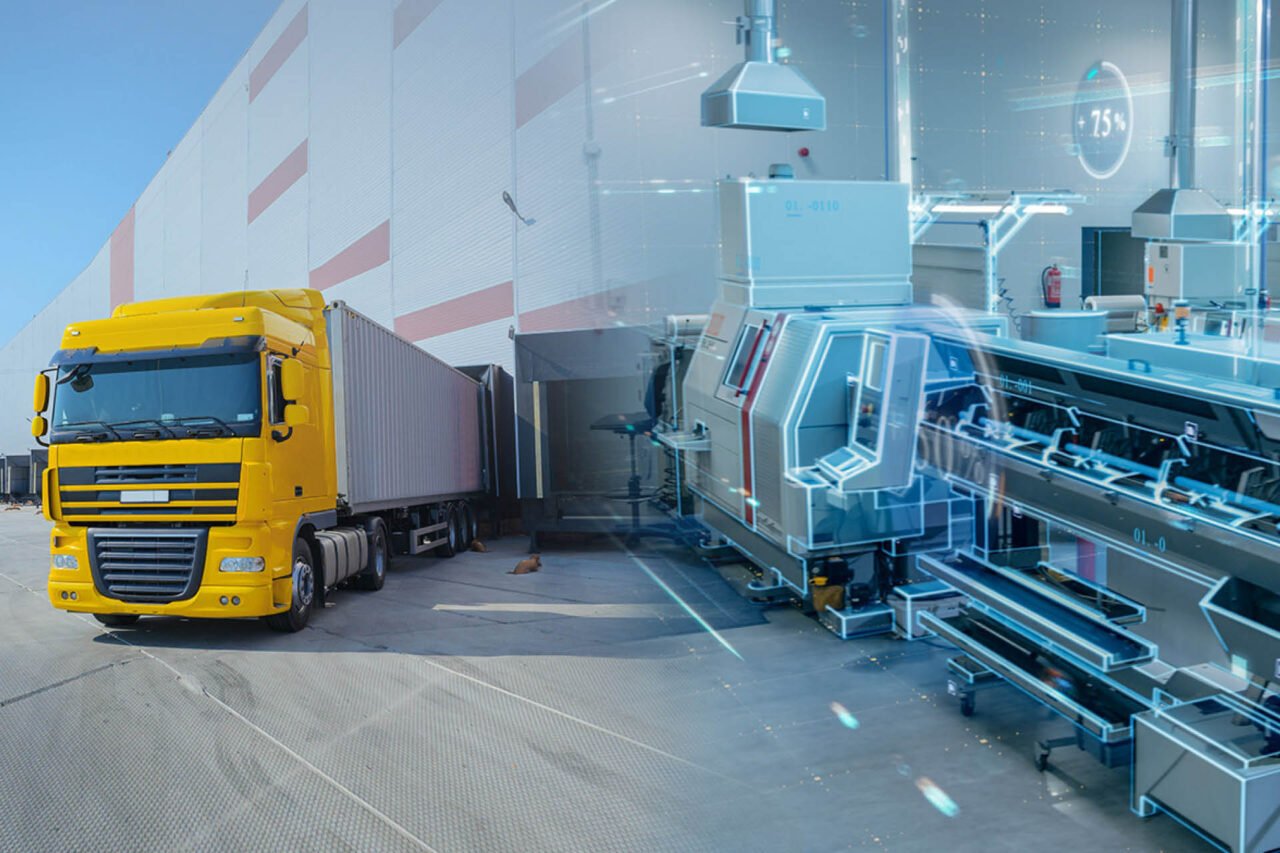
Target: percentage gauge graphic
[(1102, 122)]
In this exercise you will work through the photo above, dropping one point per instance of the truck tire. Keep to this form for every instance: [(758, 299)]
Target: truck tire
[(375, 574), (451, 545), (303, 595), (468, 513), (116, 620)]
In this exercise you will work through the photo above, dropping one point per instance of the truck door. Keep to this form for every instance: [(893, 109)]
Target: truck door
[(297, 470)]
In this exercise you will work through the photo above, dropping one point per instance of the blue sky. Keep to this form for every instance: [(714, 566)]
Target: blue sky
[(93, 95)]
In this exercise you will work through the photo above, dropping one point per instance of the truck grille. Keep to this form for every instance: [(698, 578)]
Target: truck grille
[(207, 492), (148, 566)]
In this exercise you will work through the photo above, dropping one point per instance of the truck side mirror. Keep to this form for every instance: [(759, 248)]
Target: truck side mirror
[(39, 426), (296, 415), (40, 400), (292, 380)]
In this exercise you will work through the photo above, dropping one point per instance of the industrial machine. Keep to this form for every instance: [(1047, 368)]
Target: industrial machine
[(1095, 522), (241, 454)]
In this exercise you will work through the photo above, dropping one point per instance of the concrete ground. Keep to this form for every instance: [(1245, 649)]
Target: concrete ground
[(462, 708)]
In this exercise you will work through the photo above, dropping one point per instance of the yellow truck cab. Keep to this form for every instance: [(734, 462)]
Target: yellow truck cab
[(239, 455)]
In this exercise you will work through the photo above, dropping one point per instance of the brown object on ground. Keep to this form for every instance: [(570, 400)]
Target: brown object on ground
[(477, 545), (530, 564), (828, 596)]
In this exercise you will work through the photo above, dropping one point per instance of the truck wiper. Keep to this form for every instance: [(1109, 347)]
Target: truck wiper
[(155, 434), (106, 428), (218, 422)]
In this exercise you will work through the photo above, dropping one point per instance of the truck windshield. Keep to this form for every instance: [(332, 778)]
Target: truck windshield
[(198, 396)]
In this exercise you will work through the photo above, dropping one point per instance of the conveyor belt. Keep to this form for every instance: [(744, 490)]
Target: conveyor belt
[(1096, 706), (1047, 619), (1106, 604)]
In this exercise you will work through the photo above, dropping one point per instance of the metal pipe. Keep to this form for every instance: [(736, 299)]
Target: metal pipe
[(758, 29), (1256, 166), (1182, 97), (897, 94)]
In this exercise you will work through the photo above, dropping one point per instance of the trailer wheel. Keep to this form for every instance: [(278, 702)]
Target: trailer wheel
[(375, 574), (116, 620), (304, 591), (450, 546), (469, 524)]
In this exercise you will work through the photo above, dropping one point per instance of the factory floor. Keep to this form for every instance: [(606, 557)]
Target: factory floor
[(463, 708)]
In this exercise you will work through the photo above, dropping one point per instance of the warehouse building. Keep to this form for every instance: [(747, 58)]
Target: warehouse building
[(366, 149)]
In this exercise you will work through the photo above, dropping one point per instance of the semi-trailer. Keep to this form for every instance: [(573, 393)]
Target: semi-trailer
[(242, 454), (15, 476)]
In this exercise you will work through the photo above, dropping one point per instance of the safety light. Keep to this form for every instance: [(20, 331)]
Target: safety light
[(65, 561), (242, 564)]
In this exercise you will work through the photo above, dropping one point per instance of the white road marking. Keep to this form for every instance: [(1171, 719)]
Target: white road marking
[(581, 611)]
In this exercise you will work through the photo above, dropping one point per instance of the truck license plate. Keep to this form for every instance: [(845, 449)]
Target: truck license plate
[(145, 496)]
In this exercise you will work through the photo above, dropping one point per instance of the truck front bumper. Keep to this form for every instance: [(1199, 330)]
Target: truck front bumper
[(220, 595), (211, 601)]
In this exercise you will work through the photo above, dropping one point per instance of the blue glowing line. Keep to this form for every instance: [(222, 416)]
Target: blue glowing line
[(687, 609), (937, 797), (848, 720), (615, 98), (573, 22), (1093, 72), (1066, 98)]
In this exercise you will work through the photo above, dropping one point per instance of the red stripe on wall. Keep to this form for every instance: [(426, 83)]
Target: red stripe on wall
[(121, 267), (549, 79), (408, 15), (370, 251), (276, 55), (281, 178), (462, 312), (595, 310)]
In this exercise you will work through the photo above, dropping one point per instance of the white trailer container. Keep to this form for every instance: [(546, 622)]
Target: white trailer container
[(409, 429)]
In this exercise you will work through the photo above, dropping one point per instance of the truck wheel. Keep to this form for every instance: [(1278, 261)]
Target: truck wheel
[(304, 591), (116, 620), (468, 525), (375, 574), (451, 545)]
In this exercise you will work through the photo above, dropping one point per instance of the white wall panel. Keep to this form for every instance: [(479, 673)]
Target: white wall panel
[(182, 211), (350, 144), (225, 189), (277, 244), (148, 241), (555, 255), (283, 16), (369, 293), (279, 116), (540, 25), (451, 232), (487, 343)]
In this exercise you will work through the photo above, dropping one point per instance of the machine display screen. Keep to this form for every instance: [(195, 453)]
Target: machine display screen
[(873, 375), (866, 420), (744, 353)]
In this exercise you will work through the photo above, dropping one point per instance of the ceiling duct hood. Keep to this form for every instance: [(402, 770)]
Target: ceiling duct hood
[(1182, 212), (1177, 214), (760, 93)]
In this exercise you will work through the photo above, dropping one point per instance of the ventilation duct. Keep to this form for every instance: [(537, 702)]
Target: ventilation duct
[(759, 93)]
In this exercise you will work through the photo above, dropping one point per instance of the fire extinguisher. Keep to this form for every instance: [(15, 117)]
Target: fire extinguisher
[(1051, 285)]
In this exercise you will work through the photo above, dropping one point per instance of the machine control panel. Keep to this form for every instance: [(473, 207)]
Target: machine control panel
[(883, 412)]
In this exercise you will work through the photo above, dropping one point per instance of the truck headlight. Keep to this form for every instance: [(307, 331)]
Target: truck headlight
[(65, 561), (242, 564)]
